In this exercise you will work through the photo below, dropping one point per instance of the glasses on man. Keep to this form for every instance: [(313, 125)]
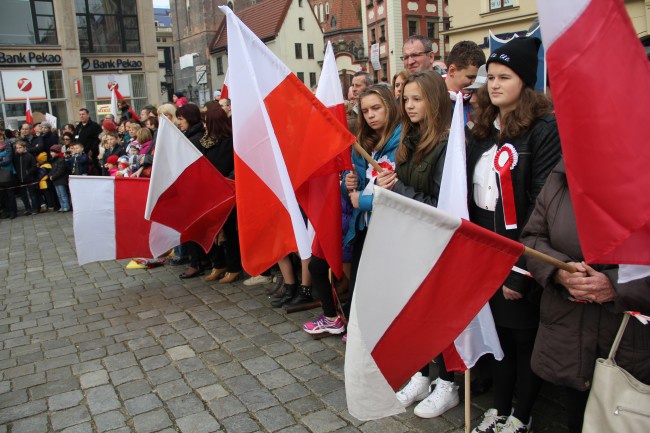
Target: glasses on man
[(414, 55)]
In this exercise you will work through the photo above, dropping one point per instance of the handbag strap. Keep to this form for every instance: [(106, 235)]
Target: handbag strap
[(619, 336)]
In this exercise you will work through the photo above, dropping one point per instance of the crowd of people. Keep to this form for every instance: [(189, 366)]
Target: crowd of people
[(552, 326)]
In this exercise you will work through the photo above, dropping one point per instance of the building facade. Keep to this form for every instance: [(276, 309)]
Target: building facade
[(340, 21), (63, 53), (473, 20), (387, 23), (291, 31), (165, 45)]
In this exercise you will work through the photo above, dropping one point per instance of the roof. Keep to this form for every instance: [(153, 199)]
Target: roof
[(345, 14), (163, 16), (264, 19)]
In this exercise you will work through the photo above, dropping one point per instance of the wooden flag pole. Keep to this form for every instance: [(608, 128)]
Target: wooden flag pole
[(367, 157), (467, 401)]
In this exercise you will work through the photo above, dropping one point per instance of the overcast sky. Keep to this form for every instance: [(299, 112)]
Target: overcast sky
[(161, 4)]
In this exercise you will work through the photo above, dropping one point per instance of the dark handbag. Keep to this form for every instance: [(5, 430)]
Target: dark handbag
[(617, 401), (7, 178)]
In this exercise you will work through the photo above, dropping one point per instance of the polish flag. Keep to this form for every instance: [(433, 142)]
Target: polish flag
[(28, 111), (603, 124), (446, 269), (480, 337), (327, 240), (108, 218), (116, 93), (224, 88), (189, 200), (283, 137)]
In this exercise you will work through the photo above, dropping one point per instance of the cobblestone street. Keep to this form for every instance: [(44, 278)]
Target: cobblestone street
[(101, 349)]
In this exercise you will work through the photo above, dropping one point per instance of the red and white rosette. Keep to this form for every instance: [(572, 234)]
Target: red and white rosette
[(504, 161)]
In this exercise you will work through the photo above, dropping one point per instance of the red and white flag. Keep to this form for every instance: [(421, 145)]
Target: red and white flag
[(326, 242), (188, 200), (108, 218), (603, 124), (29, 118), (224, 88), (283, 137), (114, 108), (446, 269), (480, 336)]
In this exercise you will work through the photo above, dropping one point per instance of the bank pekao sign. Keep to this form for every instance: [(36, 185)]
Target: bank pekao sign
[(104, 65), (29, 58)]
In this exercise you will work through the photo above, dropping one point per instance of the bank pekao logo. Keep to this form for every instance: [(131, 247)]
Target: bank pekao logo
[(24, 84)]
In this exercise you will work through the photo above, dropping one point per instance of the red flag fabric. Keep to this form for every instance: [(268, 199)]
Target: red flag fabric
[(283, 138), (120, 98), (188, 198), (603, 124), (108, 218), (224, 88), (442, 260), (29, 118)]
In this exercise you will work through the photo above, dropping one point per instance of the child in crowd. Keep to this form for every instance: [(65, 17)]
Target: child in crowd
[(134, 151), (123, 167), (78, 160), (47, 198), (111, 165), (26, 170), (59, 177)]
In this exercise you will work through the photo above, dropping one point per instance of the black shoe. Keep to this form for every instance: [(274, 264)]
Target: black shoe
[(303, 296), (186, 276), (290, 292)]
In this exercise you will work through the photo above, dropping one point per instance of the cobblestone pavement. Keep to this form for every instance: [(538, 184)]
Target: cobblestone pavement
[(101, 349)]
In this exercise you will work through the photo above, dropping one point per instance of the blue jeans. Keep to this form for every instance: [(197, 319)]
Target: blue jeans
[(62, 193)]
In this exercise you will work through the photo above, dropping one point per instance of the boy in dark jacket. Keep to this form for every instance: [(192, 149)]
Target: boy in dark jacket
[(26, 169), (59, 177), (78, 160)]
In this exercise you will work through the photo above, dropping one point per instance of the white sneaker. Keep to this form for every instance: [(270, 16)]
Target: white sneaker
[(491, 422), (513, 425), (415, 390), (443, 398), (260, 279)]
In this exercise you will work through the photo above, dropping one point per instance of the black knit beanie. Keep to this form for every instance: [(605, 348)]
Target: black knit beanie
[(520, 55)]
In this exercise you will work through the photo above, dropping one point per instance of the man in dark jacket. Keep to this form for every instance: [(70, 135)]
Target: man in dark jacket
[(26, 169), (87, 133)]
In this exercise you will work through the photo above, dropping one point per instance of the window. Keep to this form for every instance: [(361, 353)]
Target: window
[(301, 76), (327, 9), (219, 65), (316, 11), (310, 51), (500, 4), (55, 102), (382, 33), (312, 79), (321, 12), (108, 26), (298, 50), (373, 36), (29, 22), (299, 3), (432, 30), (301, 23), (413, 27)]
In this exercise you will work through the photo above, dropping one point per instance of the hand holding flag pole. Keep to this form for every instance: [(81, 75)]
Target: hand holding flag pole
[(367, 157)]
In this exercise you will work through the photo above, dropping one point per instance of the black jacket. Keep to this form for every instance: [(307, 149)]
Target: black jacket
[(26, 167), (88, 135), (59, 172), (539, 151), (194, 134), (221, 155)]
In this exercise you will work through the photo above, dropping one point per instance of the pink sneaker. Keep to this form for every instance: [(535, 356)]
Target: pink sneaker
[(323, 324)]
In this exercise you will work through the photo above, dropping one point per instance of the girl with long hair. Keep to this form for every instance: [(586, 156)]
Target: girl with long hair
[(514, 146), (426, 119)]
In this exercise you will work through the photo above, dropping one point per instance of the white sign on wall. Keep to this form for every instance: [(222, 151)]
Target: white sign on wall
[(374, 57), (104, 83), (18, 85)]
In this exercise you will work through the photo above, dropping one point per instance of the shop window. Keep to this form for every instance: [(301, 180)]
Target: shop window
[(55, 84), (108, 26), (30, 22)]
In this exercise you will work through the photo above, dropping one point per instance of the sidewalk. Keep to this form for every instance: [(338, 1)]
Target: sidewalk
[(101, 349)]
